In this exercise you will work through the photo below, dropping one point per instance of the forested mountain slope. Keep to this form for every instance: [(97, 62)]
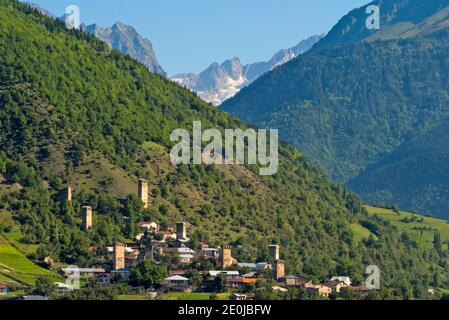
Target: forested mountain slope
[(348, 107), (415, 175), (399, 19)]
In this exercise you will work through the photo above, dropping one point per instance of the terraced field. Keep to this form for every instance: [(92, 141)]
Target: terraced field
[(16, 267)]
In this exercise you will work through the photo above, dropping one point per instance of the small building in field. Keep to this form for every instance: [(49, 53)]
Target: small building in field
[(177, 283), (238, 297)]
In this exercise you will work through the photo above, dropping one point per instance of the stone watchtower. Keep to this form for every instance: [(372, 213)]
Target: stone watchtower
[(226, 256), (273, 251), (142, 192), (181, 231), (68, 194), (279, 269), (118, 259), (87, 218)]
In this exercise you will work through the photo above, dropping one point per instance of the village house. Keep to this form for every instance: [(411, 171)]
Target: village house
[(180, 243), (322, 291), (128, 250), (295, 281), (228, 274), (238, 283), (346, 280), (178, 272), (264, 266), (149, 226), (186, 258), (251, 274), (279, 289), (336, 285), (238, 297), (362, 291), (166, 235), (177, 283), (247, 265), (63, 288), (185, 250), (104, 279), (89, 272), (210, 253)]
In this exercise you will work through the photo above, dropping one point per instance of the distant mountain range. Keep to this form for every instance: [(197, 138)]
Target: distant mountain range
[(221, 82), (364, 104), (124, 38), (215, 84), (120, 37)]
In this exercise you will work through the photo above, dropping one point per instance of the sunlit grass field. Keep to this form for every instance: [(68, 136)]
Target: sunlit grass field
[(422, 228)]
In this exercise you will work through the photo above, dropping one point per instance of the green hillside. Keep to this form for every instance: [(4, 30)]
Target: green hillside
[(16, 268), (422, 229), (72, 112), (399, 19), (415, 176)]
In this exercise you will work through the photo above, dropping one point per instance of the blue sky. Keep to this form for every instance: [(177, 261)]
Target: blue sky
[(188, 35)]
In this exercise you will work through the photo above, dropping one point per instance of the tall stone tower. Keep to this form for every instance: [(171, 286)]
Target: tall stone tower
[(273, 251), (142, 192), (279, 269), (226, 256), (181, 231), (87, 217), (118, 260), (68, 193)]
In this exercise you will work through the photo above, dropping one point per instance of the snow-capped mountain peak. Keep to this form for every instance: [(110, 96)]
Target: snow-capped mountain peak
[(220, 82)]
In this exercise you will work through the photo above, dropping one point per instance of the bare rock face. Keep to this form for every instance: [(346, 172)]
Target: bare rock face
[(221, 82), (126, 40)]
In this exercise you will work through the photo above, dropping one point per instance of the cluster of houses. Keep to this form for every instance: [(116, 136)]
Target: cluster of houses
[(153, 243)]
